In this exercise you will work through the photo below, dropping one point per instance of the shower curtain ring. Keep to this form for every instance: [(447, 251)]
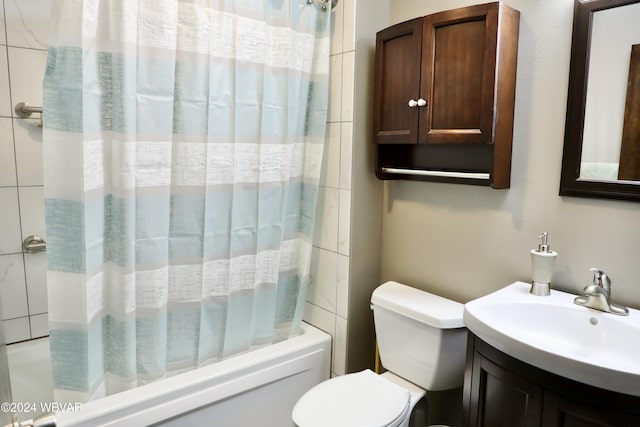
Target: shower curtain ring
[(322, 4)]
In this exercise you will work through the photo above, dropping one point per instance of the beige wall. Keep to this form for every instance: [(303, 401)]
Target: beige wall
[(466, 241)]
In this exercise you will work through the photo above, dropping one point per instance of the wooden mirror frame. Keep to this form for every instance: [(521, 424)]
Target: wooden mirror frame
[(570, 184)]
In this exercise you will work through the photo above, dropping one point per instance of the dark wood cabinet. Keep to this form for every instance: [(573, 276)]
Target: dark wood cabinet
[(445, 93), (560, 411), (398, 54), (500, 391), (504, 399)]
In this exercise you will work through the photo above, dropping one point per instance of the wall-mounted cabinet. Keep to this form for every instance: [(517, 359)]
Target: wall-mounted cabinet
[(444, 96)]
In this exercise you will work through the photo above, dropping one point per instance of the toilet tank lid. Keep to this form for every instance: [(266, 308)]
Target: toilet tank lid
[(422, 306)]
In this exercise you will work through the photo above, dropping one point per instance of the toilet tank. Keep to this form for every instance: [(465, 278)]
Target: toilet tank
[(421, 336)]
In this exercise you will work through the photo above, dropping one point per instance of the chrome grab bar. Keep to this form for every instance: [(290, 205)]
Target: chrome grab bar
[(25, 110), (33, 244)]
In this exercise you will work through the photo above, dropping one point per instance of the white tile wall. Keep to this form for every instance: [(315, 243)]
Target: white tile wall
[(337, 28), (39, 325), (3, 39), (324, 279), (327, 215), (342, 291), (320, 318), (32, 211), (14, 292), (10, 241), (5, 100), (348, 80), (335, 89), (23, 45), (35, 267), (330, 175), (28, 137), (340, 347), (28, 23), (344, 225), (17, 329), (26, 71), (327, 298), (349, 23), (346, 142), (7, 157), (22, 62)]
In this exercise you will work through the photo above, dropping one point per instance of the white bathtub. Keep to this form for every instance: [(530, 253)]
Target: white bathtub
[(256, 388)]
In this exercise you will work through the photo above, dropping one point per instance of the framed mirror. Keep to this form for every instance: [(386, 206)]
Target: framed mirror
[(601, 156)]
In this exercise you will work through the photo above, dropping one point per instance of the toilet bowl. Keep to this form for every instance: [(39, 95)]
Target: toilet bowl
[(360, 399), (422, 340)]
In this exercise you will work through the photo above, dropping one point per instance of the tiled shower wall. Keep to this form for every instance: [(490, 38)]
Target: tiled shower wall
[(23, 44), (327, 298)]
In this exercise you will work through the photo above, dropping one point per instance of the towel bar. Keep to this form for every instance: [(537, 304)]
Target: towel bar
[(444, 174)]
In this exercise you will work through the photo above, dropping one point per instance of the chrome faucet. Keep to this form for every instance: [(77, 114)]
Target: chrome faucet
[(598, 295)]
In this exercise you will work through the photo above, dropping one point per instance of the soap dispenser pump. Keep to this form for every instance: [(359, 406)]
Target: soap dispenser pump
[(542, 261)]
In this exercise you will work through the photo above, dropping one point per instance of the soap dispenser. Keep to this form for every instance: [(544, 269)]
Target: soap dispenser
[(542, 262)]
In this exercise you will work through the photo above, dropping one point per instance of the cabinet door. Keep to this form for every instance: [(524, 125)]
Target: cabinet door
[(563, 412), (500, 398), (397, 82), (458, 75)]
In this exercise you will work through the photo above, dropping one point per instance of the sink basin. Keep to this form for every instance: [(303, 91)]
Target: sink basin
[(554, 334)]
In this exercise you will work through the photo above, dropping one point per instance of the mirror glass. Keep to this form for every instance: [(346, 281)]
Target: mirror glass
[(601, 156), (610, 95)]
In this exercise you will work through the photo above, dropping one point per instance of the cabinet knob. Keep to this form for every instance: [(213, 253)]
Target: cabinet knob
[(421, 102), (412, 103)]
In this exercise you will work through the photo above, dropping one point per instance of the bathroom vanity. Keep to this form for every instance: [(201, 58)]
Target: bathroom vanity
[(501, 391), (549, 361)]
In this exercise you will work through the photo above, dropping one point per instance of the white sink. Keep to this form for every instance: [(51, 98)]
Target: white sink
[(554, 334)]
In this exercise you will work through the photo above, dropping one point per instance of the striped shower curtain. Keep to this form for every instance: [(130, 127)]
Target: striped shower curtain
[(183, 141)]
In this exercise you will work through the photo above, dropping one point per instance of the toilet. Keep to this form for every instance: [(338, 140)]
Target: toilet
[(422, 342)]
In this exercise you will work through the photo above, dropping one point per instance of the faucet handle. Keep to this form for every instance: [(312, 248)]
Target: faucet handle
[(600, 278)]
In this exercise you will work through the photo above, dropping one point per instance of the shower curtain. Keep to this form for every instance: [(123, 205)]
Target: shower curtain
[(183, 141)]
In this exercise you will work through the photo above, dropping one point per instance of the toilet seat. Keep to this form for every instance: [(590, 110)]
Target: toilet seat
[(360, 399)]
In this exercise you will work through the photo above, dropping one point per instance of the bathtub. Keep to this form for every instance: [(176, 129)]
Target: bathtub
[(256, 388)]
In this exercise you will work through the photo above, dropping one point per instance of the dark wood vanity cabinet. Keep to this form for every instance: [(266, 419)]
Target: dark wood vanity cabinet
[(445, 91), (500, 391)]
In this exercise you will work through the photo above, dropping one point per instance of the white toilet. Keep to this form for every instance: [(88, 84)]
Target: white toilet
[(422, 343)]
